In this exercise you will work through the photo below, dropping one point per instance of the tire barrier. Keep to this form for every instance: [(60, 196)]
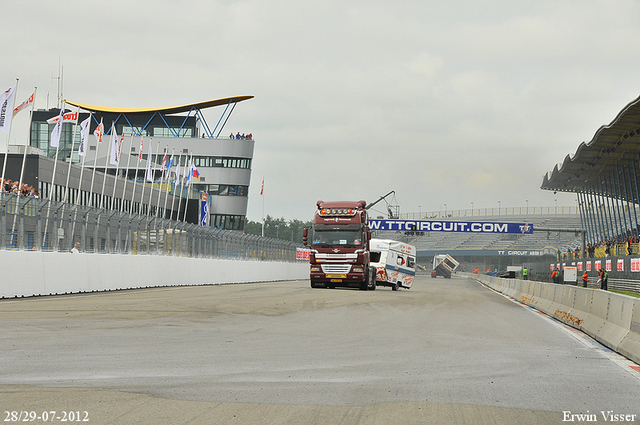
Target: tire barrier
[(611, 319)]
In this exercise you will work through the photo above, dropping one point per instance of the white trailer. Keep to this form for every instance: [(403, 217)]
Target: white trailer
[(444, 265), (395, 263)]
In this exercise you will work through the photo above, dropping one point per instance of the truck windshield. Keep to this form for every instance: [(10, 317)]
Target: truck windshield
[(351, 238)]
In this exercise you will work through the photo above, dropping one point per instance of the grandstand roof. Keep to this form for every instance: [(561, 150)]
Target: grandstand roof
[(163, 110), (612, 147)]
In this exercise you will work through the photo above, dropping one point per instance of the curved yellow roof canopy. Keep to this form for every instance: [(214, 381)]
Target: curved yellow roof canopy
[(165, 110)]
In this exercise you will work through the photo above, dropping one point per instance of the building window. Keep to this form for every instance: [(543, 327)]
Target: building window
[(214, 161), (228, 190), (227, 222)]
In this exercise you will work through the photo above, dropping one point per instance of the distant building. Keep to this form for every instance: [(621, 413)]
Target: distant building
[(223, 163)]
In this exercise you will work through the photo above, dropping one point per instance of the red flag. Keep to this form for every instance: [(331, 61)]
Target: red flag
[(141, 143), (262, 188)]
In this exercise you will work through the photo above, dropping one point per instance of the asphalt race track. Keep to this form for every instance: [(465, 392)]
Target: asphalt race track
[(445, 352)]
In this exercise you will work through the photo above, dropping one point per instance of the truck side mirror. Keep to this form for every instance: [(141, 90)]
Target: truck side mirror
[(305, 233)]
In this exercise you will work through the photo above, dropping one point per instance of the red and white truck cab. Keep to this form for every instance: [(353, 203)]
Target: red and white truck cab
[(339, 246)]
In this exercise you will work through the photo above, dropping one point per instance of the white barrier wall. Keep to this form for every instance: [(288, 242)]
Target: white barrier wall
[(610, 318), (28, 273)]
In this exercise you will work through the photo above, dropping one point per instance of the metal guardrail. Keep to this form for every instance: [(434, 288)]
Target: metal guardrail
[(31, 224)]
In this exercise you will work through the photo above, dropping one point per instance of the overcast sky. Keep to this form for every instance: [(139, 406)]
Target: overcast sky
[(444, 102)]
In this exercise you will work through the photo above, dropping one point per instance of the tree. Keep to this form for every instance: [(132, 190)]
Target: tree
[(278, 228)]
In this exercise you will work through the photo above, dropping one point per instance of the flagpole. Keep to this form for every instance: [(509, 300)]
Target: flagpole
[(262, 194), (106, 164), (84, 157), (189, 178), (176, 180), (66, 188), (24, 156), (161, 180), (135, 180), (9, 111), (95, 160), (73, 144), (53, 177), (186, 165), (115, 182), (153, 179), (146, 175), (124, 187), (166, 195)]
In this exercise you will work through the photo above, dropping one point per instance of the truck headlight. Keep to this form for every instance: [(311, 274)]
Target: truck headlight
[(357, 270), (315, 269)]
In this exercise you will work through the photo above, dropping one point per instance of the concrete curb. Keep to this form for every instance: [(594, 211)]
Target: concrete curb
[(610, 318)]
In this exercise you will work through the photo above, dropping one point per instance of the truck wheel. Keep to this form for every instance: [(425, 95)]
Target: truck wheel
[(373, 279), (367, 279), (395, 286), (314, 285)]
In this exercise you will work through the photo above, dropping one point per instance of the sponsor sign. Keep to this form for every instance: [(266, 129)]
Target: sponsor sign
[(450, 226), (620, 264), (635, 264), (68, 117), (204, 210), (302, 254)]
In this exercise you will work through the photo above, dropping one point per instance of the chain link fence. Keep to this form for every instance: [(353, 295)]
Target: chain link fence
[(33, 224)]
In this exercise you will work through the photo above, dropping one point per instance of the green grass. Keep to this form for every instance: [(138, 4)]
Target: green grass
[(631, 294)]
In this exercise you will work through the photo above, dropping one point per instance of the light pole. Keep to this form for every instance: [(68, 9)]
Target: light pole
[(445, 210), (420, 213), (527, 201), (498, 207), (471, 208)]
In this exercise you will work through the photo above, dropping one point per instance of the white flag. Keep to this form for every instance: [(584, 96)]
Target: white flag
[(71, 117), (6, 109), (24, 104), (149, 175), (84, 136), (178, 170), (141, 145), (57, 130), (99, 131), (115, 148)]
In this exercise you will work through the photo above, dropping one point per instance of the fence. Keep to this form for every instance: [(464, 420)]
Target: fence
[(32, 224)]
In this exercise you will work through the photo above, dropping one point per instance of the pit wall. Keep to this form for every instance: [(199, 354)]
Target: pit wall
[(26, 273), (610, 318)]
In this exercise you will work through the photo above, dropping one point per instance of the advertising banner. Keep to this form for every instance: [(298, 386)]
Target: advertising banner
[(450, 226), (302, 254), (204, 210)]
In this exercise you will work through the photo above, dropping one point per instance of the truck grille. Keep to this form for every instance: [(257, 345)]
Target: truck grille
[(336, 268)]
